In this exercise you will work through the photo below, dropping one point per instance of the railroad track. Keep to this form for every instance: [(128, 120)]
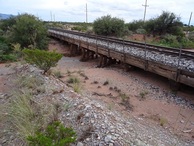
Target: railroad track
[(168, 50), (174, 57)]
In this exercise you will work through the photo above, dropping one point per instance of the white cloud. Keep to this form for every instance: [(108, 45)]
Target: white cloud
[(74, 10)]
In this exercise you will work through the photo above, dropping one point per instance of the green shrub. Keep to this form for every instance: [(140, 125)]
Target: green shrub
[(54, 135), (170, 40), (8, 57), (106, 25), (43, 59), (28, 30), (191, 36), (141, 31), (167, 22), (133, 26)]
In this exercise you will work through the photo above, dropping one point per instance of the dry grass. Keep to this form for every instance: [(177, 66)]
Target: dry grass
[(24, 114)]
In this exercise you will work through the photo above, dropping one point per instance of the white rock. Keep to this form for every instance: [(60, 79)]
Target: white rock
[(108, 138), (80, 144)]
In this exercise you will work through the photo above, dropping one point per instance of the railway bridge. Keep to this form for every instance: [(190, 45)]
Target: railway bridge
[(175, 64)]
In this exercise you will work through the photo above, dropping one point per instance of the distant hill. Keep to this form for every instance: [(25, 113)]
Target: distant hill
[(5, 16)]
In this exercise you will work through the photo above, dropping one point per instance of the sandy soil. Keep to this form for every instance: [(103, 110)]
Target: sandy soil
[(140, 101)]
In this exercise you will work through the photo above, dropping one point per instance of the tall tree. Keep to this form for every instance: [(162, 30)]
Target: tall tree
[(29, 31), (165, 23)]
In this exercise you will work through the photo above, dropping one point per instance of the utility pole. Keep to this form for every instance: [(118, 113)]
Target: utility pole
[(145, 10), (86, 14), (51, 15), (54, 17), (190, 19)]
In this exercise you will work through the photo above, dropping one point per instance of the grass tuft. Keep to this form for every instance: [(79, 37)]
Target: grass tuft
[(106, 83), (57, 74), (73, 80)]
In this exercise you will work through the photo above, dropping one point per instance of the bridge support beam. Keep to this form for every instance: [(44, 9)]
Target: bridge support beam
[(87, 54), (74, 50), (174, 86)]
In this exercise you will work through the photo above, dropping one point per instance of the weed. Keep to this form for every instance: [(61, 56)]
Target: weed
[(80, 116), (125, 101), (86, 78), (143, 94), (124, 97), (110, 106), (56, 134), (77, 87), (66, 106), (76, 84), (111, 88), (22, 114), (41, 89), (73, 80), (68, 72), (57, 74), (163, 121), (31, 82), (95, 82), (86, 133), (106, 83), (117, 90), (81, 73)]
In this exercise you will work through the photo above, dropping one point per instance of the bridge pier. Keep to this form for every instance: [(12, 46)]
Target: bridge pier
[(174, 86), (75, 50), (87, 54), (105, 61)]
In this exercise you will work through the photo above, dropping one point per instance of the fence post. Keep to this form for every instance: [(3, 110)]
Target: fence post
[(178, 64), (145, 54), (124, 55)]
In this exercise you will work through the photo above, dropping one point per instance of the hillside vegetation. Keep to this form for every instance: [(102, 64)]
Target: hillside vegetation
[(17, 33), (165, 29)]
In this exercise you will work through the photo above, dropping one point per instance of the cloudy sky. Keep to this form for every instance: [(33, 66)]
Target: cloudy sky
[(75, 10)]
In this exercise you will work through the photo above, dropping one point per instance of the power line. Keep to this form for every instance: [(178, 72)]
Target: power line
[(145, 10)]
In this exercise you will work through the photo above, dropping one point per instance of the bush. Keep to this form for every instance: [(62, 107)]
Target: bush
[(191, 36), (106, 25), (133, 26), (43, 59), (54, 135), (28, 30), (8, 57), (166, 23), (170, 40), (141, 31), (176, 41)]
